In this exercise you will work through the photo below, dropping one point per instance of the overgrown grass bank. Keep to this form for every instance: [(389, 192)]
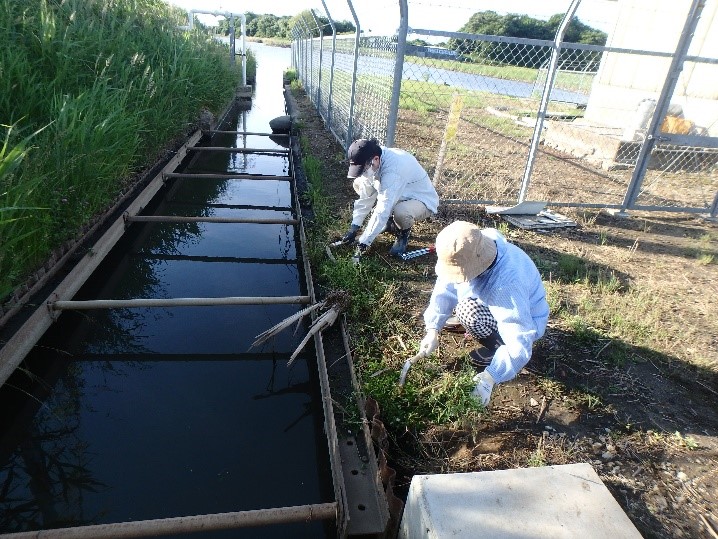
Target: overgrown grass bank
[(382, 331), (90, 93)]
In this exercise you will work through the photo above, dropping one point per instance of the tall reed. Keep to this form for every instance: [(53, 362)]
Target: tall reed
[(112, 83)]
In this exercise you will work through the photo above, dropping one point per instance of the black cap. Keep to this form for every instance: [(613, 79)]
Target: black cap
[(360, 153)]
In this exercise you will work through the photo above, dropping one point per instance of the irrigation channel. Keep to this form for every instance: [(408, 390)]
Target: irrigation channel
[(142, 412)]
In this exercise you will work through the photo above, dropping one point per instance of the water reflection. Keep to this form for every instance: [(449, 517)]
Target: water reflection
[(131, 414)]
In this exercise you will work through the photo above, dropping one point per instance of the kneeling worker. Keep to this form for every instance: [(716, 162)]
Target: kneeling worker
[(394, 187), (497, 295)]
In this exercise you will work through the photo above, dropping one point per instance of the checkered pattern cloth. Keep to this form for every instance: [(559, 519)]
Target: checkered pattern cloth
[(476, 318)]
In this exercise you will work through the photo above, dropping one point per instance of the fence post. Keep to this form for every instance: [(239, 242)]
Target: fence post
[(654, 128), (297, 56), (310, 76), (305, 54), (352, 96), (293, 48), (243, 28), (331, 69), (232, 47), (541, 114), (321, 51), (713, 212), (398, 72)]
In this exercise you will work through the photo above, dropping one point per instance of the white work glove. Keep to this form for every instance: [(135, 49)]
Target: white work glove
[(484, 387), (429, 343), (358, 252)]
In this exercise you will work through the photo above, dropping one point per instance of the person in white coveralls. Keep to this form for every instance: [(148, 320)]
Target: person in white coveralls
[(394, 188), (496, 292)]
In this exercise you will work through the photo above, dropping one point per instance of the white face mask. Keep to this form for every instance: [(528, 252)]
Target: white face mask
[(369, 172)]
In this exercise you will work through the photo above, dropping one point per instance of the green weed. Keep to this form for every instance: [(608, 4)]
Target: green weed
[(571, 267), (685, 441), (537, 458), (291, 75), (110, 90)]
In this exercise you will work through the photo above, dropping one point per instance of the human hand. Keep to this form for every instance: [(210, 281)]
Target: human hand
[(350, 235), (430, 342), (484, 386)]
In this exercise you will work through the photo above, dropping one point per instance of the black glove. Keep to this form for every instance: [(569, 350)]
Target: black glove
[(351, 235)]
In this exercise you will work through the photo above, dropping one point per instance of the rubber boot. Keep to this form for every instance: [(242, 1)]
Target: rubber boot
[(391, 227), (481, 357), (402, 240)]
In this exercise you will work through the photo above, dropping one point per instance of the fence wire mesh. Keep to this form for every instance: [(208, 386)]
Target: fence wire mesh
[(469, 106), (677, 174)]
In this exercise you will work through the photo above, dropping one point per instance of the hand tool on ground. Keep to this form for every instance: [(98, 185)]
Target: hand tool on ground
[(407, 365), (418, 252)]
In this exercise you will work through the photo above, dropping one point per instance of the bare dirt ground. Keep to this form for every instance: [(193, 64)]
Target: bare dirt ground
[(647, 425)]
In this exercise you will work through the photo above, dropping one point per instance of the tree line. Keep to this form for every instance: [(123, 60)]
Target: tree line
[(280, 27), (523, 26), (481, 22), (512, 25)]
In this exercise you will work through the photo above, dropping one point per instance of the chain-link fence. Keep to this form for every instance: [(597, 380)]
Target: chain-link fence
[(496, 120), (356, 94)]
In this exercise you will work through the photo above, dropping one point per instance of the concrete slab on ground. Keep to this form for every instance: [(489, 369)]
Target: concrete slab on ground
[(566, 501)]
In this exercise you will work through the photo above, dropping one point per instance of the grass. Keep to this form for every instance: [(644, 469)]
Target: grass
[(14, 215), (590, 304), (91, 93), (564, 80), (430, 396)]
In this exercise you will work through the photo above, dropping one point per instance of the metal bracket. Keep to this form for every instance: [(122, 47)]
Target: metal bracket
[(50, 304)]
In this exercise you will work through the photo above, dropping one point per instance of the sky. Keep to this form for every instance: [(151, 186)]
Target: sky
[(447, 15)]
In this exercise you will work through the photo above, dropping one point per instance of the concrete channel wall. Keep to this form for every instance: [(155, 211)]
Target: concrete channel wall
[(149, 334)]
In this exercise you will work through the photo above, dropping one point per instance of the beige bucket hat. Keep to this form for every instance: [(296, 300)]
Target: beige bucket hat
[(463, 252)]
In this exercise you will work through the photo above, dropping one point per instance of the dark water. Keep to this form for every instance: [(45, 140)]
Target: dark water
[(139, 413)]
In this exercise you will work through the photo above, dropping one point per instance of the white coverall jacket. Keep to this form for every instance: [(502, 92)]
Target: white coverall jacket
[(400, 177)]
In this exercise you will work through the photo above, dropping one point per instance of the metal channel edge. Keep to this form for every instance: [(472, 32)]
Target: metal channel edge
[(363, 508), (23, 340), (329, 424), (29, 333)]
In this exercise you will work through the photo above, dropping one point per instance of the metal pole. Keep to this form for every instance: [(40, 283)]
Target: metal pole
[(714, 207), (184, 219), (398, 72), (331, 68), (22, 341), (653, 132), (64, 305), (188, 524), (321, 51), (226, 132), (281, 151), (308, 58), (232, 47), (352, 95), (304, 55), (310, 38), (541, 115), (225, 176), (244, 49), (295, 50), (305, 80), (297, 53), (292, 49)]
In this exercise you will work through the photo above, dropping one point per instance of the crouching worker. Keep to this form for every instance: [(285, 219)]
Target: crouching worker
[(496, 293), (394, 188)]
